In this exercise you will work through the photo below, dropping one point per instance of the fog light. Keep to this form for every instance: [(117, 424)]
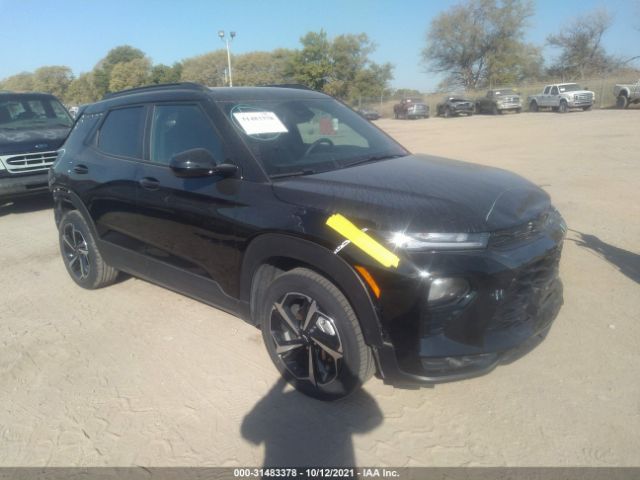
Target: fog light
[(445, 290)]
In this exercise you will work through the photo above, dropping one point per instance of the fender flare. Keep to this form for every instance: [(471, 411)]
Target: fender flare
[(67, 195), (274, 245)]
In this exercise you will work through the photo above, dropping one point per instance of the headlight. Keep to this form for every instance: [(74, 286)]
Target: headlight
[(437, 241)]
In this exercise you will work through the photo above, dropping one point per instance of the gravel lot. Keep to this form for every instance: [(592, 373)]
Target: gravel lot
[(138, 375)]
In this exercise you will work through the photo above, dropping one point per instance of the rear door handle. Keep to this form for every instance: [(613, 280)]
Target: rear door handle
[(149, 183), (81, 169)]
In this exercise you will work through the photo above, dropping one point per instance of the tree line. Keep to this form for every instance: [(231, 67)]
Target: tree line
[(340, 66), (475, 44)]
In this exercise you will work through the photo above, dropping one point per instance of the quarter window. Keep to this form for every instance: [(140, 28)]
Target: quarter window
[(177, 128), (121, 132)]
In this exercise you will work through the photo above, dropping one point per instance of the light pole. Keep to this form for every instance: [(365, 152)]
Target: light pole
[(226, 41)]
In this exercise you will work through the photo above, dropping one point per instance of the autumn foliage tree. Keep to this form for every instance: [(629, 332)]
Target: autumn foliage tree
[(480, 42)]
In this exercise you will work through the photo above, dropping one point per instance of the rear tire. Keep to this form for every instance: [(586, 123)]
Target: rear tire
[(80, 253), (322, 353)]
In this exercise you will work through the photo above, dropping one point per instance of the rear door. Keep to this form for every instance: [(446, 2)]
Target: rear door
[(104, 174), (186, 223)]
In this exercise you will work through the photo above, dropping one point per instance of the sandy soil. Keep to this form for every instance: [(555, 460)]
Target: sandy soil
[(137, 375)]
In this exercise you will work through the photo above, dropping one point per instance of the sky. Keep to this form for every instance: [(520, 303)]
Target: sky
[(78, 33)]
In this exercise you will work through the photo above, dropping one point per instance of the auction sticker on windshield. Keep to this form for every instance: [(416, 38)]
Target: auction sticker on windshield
[(256, 123)]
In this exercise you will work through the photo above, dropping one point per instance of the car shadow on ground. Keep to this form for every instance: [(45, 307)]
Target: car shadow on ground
[(625, 261), (299, 430), (26, 204)]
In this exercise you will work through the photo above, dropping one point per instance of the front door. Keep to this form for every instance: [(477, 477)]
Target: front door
[(186, 223)]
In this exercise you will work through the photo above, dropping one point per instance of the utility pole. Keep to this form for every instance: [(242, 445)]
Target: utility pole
[(226, 41)]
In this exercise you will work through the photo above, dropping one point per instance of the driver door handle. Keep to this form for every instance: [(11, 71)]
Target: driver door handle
[(149, 183)]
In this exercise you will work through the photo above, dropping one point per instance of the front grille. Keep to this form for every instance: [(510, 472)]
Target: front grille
[(583, 97), (533, 296), (463, 105), (30, 162), (521, 233)]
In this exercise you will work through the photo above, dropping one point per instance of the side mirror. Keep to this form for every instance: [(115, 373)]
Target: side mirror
[(199, 162)]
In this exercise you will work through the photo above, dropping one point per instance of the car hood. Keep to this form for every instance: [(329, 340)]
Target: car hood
[(23, 141), (419, 193)]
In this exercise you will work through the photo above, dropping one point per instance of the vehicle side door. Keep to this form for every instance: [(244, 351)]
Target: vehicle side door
[(104, 173), (186, 223), (554, 97), (544, 98)]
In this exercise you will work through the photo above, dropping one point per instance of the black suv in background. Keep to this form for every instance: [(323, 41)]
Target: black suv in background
[(288, 209), (32, 128)]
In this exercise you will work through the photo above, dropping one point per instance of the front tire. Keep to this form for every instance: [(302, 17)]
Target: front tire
[(563, 107), (313, 336), (447, 113), (533, 107), (621, 101), (80, 253)]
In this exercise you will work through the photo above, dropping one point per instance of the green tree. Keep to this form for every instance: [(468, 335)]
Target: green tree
[(312, 65), (340, 67), (81, 90), (21, 82), (262, 68), (207, 69), (480, 42), (134, 73), (53, 79), (102, 71), (165, 74), (580, 44)]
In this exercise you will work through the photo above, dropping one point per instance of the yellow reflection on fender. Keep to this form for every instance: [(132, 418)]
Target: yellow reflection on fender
[(363, 241)]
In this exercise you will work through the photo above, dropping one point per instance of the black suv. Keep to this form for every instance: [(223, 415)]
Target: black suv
[(32, 128), (288, 209)]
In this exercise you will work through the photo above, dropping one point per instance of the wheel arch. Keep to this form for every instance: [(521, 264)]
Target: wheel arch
[(66, 200), (271, 253)]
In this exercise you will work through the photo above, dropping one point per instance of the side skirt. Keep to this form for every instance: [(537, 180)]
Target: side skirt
[(173, 278)]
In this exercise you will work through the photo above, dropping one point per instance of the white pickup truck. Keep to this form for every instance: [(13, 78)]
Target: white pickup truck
[(627, 94), (561, 97)]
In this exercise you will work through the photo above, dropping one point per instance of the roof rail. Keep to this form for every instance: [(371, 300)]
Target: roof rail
[(299, 86), (161, 86)]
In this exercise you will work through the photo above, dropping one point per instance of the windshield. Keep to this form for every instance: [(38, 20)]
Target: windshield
[(569, 87), (23, 112), (305, 136)]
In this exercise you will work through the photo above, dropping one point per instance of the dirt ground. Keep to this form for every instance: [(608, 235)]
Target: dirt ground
[(137, 375)]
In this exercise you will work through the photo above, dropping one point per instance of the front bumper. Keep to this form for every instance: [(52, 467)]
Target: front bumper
[(509, 106), (19, 185), (516, 294)]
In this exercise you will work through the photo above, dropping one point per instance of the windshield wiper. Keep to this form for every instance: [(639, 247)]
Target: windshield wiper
[(373, 158), (296, 173)]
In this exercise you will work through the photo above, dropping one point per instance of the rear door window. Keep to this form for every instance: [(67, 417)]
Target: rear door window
[(121, 132)]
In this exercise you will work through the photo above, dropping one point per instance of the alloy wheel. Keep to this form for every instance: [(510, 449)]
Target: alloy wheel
[(306, 339), (76, 251)]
